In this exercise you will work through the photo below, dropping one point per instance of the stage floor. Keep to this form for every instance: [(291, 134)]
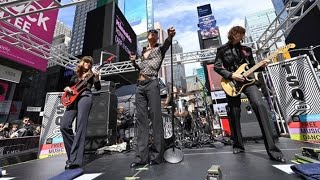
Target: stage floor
[(254, 164)]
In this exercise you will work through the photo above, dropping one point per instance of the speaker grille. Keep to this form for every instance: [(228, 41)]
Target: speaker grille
[(102, 122)]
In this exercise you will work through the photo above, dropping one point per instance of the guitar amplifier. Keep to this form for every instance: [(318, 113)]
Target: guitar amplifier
[(106, 86), (102, 121), (250, 128)]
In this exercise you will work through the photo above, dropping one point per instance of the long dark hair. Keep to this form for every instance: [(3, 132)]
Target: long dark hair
[(80, 70)]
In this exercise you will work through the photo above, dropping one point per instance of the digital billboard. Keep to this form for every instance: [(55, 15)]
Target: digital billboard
[(40, 24), (204, 10), (135, 12), (124, 34), (208, 28), (207, 22)]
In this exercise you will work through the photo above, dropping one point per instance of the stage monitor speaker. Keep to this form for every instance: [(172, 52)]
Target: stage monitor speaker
[(102, 122), (250, 128)]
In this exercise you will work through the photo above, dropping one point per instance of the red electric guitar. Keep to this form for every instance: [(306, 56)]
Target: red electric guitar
[(69, 97)]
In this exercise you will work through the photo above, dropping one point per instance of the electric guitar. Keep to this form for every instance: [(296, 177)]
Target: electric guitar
[(234, 88), (68, 98)]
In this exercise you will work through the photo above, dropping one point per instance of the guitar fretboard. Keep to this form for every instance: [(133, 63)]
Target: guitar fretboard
[(251, 70)]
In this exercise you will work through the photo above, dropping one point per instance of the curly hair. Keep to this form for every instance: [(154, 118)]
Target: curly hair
[(234, 30), (80, 70)]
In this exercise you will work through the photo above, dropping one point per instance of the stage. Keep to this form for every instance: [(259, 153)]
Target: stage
[(253, 164)]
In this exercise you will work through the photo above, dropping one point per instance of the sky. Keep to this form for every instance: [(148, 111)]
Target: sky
[(182, 14)]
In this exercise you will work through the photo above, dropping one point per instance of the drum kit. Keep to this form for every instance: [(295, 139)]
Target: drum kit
[(193, 122)]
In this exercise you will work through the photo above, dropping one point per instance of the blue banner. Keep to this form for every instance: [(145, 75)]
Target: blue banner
[(204, 10)]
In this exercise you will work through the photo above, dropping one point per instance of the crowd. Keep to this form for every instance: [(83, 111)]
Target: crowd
[(25, 128)]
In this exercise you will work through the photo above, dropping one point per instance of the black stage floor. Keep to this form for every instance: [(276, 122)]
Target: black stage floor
[(254, 164)]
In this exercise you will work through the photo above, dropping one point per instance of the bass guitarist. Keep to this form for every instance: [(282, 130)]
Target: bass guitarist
[(74, 145), (229, 58)]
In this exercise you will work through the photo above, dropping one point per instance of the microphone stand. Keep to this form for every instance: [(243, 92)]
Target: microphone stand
[(173, 155)]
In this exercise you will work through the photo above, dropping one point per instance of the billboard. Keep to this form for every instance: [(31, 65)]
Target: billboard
[(208, 28), (207, 22), (214, 78), (124, 35), (204, 10), (136, 14), (40, 24), (51, 141), (3, 90)]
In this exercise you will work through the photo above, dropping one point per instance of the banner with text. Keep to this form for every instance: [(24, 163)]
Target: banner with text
[(51, 142), (297, 88), (40, 24)]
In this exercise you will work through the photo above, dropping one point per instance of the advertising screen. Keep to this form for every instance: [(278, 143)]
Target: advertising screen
[(136, 14), (208, 28), (204, 10), (124, 35), (40, 24)]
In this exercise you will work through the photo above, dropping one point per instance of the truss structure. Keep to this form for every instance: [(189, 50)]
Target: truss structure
[(14, 36), (27, 7), (293, 12), (11, 35)]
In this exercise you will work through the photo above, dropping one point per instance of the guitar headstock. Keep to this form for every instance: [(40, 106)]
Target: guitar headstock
[(106, 61), (285, 48), (280, 50)]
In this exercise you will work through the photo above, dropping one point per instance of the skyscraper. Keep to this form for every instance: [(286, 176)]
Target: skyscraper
[(79, 23), (257, 23), (79, 26), (61, 28)]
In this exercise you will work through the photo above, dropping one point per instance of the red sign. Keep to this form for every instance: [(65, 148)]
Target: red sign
[(3, 90), (41, 25), (214, 78)]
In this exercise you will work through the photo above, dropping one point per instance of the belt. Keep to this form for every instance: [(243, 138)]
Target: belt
[(143, 82), (152, 77), (149, 77)]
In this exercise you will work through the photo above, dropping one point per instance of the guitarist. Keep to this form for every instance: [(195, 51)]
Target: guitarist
[(74, 145), (229, 58)]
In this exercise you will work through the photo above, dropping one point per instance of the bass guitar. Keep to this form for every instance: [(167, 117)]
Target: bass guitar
[(68, 98), (234, 88)]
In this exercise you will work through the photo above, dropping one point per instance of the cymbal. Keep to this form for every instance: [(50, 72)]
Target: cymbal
[(194, 99), (192, 92)]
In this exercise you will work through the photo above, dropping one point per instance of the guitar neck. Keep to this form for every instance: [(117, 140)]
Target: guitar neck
[(271, 56), (82, 83), (254, 68)]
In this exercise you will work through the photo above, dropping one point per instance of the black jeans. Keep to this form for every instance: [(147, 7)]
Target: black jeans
[(255, 98), (74, 145), (148, 95)]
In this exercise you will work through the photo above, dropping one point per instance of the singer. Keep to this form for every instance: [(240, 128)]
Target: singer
[(74, 145), (229, 57), (148, 96)]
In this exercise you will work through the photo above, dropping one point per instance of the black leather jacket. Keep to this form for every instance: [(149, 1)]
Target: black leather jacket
[(230, 57)]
